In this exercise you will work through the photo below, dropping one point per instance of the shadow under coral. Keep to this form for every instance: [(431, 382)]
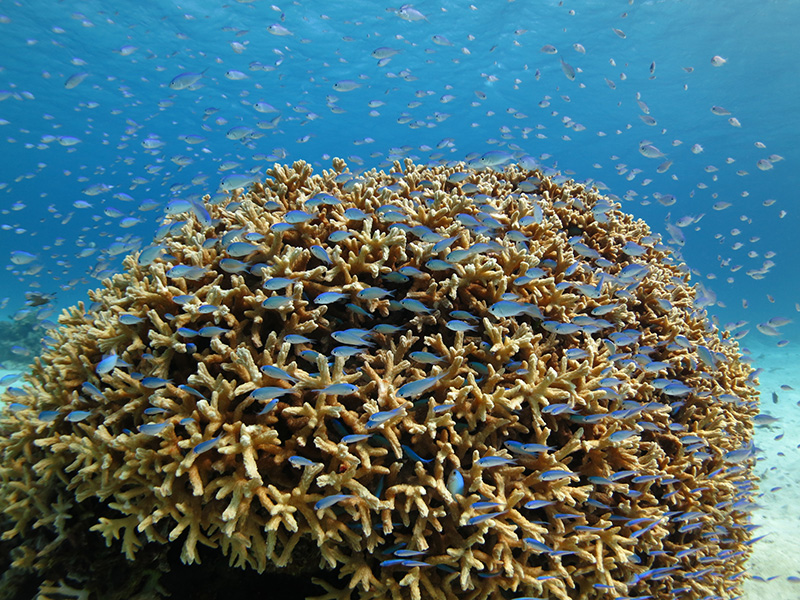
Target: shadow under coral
[(82, 566)]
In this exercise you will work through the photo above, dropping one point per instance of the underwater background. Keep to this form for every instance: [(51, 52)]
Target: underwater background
[(683, 111)]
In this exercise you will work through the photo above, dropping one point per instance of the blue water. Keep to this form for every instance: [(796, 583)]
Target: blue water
[(494, 51), (506, 94)]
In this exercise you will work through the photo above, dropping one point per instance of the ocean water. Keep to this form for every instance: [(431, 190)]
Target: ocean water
[(684, 111)]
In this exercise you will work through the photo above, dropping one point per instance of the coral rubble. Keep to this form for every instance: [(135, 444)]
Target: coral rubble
[(436, 382)]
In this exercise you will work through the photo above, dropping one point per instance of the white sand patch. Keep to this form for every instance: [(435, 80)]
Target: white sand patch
[(776, 558)]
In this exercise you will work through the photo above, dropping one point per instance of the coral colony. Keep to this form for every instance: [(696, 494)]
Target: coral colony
[(448, 383)]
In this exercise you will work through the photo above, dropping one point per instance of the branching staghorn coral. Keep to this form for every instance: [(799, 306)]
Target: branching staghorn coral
[(451, 383)]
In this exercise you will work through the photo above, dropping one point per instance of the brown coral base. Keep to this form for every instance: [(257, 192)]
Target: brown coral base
[(97, 572)]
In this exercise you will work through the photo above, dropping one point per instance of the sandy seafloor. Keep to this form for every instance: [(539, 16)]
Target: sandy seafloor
[(776, 557), (775, 564)]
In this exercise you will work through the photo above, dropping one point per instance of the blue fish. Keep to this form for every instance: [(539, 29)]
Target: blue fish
[(537, 545), (191, 390), (416, 457), (339, 389), (277, 283), (91, 390), (706, 356), (355, 214), (352, 337), (392, 562), (561, 328), (411, 272), (155, 383), (338, 236), (47, 415), (414, 306), (604, 309), (413, 389), (534, 504), (403, 553), (459, 255), (310, 356), (152, 428), (381, 417), (301, 461), (596, 480), (373, 293), (10, 379), (295, 217), (106, 365), (329, 501), (269, 407), (455, 482), (508, 308), (277, 302), (645, 478), (478, 519), (207, 445), (386, 328), (556, 474), (20, 257), (392, 216), (356, 437), (211, 331), (459, 326), (357, 310), (270, 392), (347, 351), (277, 373), (482, 505), (639, 521), (426, 357), (677, 389), (589, 528), (187, 272), (443, 245), (231, 265), (281, 227), (322, 199), (130, 319), (494, 461), (621, 436), (294, 338), (438, 265), (414, 563), (558, 409), (77, 415), (395, 277), (463, 315), (240, 249), (655, 366), (185, 80), (320, 253), (567, 516), (530, 449)]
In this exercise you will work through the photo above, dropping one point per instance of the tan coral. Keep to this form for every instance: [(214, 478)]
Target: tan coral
[(640, 443)]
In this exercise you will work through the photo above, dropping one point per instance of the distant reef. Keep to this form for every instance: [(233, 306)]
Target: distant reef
[(20, 340)]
